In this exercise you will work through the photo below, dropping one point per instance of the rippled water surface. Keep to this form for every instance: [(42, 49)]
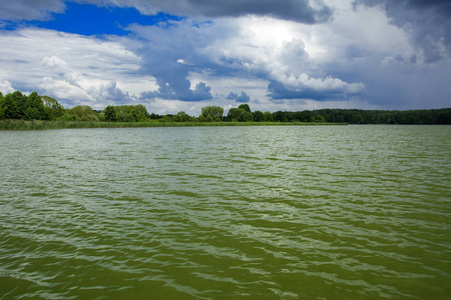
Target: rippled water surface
[(339, 212)]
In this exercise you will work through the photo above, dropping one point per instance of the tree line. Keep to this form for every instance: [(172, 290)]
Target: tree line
[(359, 116), (16, 105)]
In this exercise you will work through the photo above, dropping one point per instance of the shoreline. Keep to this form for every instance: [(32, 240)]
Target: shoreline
[(46, 125)]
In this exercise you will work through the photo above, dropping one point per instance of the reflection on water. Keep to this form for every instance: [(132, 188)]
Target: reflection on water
[(217, 212)]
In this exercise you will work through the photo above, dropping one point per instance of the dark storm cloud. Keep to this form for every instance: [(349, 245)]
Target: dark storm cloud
[(242, 98), (442, 6), (294, 10), (429, 23), (172, 81), (163, 52), (278, 91), (29, 9), (179, 90)]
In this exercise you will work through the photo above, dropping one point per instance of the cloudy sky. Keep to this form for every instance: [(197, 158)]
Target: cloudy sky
[(181, 55)]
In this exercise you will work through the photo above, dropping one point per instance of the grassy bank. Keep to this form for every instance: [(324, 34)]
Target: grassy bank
[(38, 124)]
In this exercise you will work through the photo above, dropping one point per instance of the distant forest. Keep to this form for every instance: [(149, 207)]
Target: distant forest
[(18, 106)]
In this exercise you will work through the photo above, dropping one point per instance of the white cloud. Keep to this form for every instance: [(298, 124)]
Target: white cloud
[(6, 87), (281, 51), (61, 89), (365, 28), (303, 81), (73, 68), (53, 62)]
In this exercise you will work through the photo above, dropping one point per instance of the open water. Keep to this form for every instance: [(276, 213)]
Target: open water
[(321, 212)]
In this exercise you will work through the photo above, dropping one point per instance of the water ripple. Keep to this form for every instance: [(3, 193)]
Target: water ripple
[(213, 213)]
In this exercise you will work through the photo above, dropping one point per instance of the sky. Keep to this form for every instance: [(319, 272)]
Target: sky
[(182, 55)]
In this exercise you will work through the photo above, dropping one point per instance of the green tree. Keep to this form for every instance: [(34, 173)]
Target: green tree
[(123, 115), (258, 116), (245, 107), (2, 101), (56, 109), (132, 113), (305, 116), (35, 109), (13, 105), (110, 114), (154, 116), (214, 111), (166, 118), (21, 101), (320, 119), (357, 118), (239, 114), (278, 116), (442, 116), (233, 115), (141, 112), (80, 113), (181, 117), (267, 116)]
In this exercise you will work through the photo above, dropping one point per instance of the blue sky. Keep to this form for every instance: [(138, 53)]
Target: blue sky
[(90, 19), (182, 55)]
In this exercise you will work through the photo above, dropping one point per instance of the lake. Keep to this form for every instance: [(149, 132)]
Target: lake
[(285, 212)]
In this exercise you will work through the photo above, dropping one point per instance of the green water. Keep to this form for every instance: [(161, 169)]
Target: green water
[(333, 212)]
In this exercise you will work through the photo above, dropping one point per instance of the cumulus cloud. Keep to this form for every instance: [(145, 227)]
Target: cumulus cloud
[(63, 90), (72, 68), (82, 91), (110, 91), (327, 84), (284, 53), (6, 87), (52, 62), (242, 98)]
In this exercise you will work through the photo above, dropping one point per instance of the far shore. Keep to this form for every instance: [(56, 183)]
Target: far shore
[(41, 125)]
